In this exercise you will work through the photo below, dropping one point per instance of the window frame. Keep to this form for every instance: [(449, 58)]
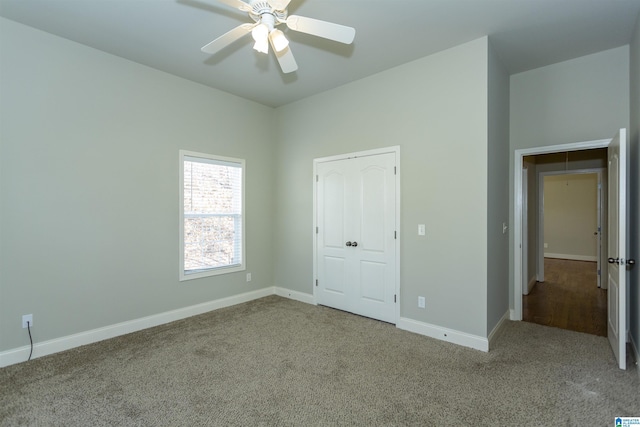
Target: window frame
[(213, 271)]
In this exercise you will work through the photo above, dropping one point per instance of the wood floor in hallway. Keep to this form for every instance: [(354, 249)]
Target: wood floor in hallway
[(568, 299)]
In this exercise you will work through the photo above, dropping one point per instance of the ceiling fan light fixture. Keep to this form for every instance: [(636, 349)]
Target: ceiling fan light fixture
[(267, 15), (278, 40), (260, 34)]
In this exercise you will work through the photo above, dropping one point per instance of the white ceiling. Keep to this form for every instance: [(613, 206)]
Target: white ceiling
[(168, 34)]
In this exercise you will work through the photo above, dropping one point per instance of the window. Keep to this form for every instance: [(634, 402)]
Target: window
[(211, 215)]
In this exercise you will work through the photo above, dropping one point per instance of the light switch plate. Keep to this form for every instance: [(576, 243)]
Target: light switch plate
[(421, 230)]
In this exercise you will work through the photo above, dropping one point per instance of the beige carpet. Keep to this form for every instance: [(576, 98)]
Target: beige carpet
[(279, 362)]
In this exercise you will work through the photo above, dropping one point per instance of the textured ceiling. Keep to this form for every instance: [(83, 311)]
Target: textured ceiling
[(168, 34)]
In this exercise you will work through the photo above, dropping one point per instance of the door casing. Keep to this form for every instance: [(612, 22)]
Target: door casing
[(516, 288)]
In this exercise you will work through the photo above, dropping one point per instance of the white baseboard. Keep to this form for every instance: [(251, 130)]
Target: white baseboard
[(495, 333), (444, 334), (56, 345), (636, 355), (592, 258), (295, 295)]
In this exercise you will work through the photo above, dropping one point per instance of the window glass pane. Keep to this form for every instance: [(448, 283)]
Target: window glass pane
[(211, 214), (211, 188), (210, 242)]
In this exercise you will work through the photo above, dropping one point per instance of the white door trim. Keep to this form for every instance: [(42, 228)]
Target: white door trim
[(516, 289), (394, 149), (525, 227)]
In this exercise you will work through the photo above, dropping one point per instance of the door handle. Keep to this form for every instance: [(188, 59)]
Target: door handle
[(348, 243), (631, 262), (613, 260), (354, 244)]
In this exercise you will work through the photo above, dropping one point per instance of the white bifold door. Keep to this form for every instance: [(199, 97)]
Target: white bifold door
[(356, 235)]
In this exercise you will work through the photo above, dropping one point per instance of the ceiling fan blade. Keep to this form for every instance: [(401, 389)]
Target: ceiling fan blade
[(238, 4), (327, 30), (227, 38), (285, 59), (279, 4)]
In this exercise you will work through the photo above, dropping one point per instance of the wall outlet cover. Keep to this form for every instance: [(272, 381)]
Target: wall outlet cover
[(27, 318)]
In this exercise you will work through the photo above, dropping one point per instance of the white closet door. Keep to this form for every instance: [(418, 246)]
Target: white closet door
[(356, 235)]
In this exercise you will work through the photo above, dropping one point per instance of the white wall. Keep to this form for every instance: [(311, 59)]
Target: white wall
[(634, 250), (579, 100), (498, 196), (435, 108), (571, 216), (89, 186)]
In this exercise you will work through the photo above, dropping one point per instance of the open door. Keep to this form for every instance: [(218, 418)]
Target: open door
[(617, 249)]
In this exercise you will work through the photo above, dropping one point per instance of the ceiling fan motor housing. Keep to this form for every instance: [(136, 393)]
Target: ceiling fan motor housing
[(261, 11)]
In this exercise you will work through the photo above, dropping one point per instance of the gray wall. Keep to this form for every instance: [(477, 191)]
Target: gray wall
[(89, 162), (573, 101), (578, 100), (89, 186), (435, 109), (498, 196), (634, 250)]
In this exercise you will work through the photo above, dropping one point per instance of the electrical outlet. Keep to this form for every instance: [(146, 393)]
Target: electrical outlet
[(27, 318), (248, 277), (421, 302)]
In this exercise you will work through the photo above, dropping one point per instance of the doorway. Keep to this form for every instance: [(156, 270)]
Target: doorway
[(356, 240), (562, 256), (616, 248), (526, 170), (567, 292)]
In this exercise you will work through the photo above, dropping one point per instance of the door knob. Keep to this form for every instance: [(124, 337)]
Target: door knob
[(354, 244), (613, 260), (348, 243), (631, 262)]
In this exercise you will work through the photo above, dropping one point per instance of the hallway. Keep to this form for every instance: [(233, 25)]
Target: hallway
[(568, 299)]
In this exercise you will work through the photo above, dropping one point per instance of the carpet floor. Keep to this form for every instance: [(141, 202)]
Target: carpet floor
[(275, 361)]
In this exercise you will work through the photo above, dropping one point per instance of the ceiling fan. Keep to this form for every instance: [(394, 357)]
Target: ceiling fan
[(268, 14)]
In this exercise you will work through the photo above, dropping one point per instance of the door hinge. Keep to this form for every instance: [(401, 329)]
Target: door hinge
[(394, 298), (316, 230), (395, 170), (316, 178), (316, 282), (395, 234), (599, 273)]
